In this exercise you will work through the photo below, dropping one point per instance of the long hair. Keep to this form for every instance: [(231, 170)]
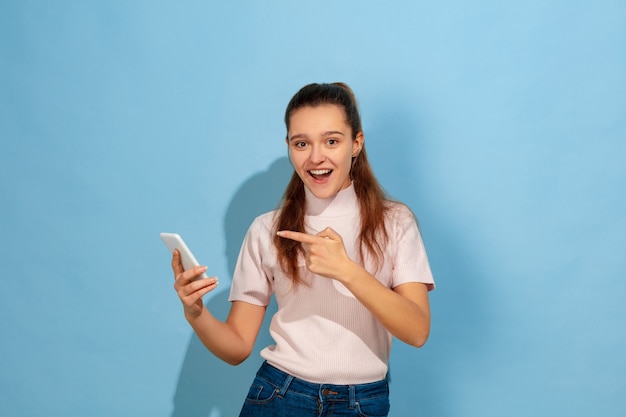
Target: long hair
[(373, 235)]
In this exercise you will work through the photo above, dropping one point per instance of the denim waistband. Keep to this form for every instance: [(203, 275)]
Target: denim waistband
[(324, 392)]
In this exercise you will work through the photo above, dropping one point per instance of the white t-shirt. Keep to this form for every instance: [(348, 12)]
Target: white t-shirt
[(323, 334)]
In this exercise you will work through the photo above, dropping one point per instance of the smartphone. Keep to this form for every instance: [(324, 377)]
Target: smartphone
[(174, 241)]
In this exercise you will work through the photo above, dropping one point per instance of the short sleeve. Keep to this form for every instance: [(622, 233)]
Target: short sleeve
[(251, 282), (410, 262)]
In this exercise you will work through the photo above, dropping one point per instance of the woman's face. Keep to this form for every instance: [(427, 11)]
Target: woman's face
[(321, 148)]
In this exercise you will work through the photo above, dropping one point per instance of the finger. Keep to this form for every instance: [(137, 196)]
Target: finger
[(329, 233), (189, 294), (186, 289), (177, 266), (298, 236), (191, 275), (205, 290)]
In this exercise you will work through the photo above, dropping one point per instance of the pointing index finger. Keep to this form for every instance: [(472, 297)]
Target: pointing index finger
[(297, 236)]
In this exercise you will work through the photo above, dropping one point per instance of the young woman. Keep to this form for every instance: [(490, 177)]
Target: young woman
[(347, 267)]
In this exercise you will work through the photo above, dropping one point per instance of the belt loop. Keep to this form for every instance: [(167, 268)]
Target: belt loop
[(352, 394), (286, 384)]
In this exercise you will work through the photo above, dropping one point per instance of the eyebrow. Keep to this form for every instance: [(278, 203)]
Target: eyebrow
[(328, 133)]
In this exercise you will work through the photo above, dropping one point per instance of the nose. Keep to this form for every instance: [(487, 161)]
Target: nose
[(317, 154)]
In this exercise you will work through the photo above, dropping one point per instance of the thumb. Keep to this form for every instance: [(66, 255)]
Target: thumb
[(330, 234)]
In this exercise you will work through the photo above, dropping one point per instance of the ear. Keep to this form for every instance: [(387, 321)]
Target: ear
[(357, 144)]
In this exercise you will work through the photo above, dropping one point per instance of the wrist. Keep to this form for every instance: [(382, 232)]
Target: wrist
[(193, 314), (349, 272)]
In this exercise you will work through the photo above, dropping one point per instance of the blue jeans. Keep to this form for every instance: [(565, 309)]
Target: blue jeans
[(274, 393)]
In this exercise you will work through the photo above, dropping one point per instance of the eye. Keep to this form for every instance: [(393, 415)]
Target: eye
[(332, 141), (299, 144)]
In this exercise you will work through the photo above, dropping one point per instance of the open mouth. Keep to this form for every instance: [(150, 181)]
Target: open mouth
[(320, 174)]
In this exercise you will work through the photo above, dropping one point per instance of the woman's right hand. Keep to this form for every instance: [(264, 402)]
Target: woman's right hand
[(189, 288)]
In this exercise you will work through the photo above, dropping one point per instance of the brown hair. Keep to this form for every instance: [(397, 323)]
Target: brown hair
[(373, 235)]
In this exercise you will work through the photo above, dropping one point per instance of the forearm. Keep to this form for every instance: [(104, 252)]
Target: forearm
[(219, 337), (406, 316)]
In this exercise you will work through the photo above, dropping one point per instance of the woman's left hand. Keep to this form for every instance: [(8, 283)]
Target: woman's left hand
[(325, 253)]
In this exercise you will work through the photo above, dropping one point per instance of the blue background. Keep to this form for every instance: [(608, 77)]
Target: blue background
[(503, 126)]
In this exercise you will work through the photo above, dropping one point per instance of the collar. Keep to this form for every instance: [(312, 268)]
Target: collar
[(343, 203)]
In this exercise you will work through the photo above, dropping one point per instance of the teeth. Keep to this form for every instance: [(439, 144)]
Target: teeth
[(320, 171)]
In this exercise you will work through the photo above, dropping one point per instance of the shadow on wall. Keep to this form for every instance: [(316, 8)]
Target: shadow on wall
[(207, 386)]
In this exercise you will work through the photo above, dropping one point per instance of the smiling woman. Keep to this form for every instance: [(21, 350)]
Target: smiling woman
[(321, 148), (351, 287)]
